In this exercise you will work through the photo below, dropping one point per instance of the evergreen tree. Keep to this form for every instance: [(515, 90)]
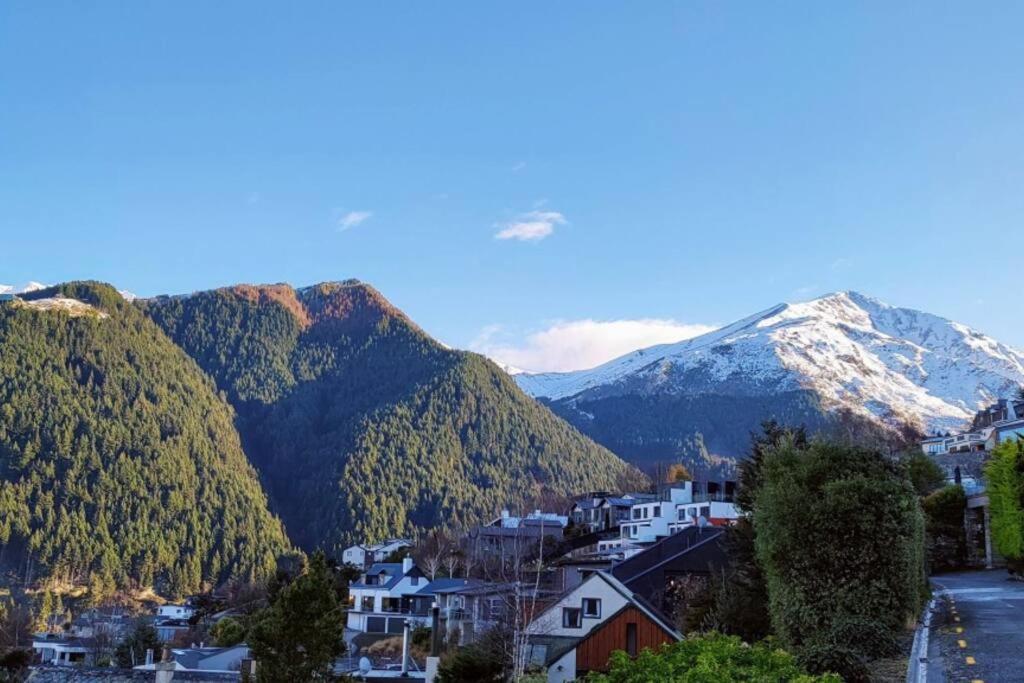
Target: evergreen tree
[(298, 637), (131, 651)]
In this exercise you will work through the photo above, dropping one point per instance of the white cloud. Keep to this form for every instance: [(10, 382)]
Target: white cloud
[(352, 219), (530, 227), (580, 344)]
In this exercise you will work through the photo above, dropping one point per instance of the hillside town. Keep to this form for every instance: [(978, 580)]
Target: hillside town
[(560, 589)]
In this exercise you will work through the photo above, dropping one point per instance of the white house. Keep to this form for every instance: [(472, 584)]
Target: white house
[(363, 555), (386, 595), (562, 637), (174, 612), (62, 650)]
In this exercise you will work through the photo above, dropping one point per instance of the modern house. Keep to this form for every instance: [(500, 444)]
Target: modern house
[(389, 594), (579, 632), (171, 611), (61, 650), (1000, 421), (364, 555), (509, 535), (680, 507)]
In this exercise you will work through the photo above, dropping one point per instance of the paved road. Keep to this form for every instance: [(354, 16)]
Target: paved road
[(981, 620)]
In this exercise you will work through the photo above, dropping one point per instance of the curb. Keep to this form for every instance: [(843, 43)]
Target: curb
[(917, 670)]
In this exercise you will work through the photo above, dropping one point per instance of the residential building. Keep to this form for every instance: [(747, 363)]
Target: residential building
[(386, 595), (171, 611), (578, 633), (1000, 421), (363, 555), (204, 659), (509, 535), (63, 650)]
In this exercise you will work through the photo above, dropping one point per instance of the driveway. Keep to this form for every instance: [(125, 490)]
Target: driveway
[(978, 633)]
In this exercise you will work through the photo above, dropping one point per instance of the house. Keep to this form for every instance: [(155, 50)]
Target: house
[(175, 612), (204, 659), (1002, 420), (509, 535), (579, 632), (61, 650), (386, 595), (364, 555), (695, 551)]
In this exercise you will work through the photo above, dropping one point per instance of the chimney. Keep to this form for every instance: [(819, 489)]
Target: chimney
[(406, 565)]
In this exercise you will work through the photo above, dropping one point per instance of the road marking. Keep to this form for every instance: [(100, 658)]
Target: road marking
[(956, 618), (962, 644), (959, 629), (970, 660)]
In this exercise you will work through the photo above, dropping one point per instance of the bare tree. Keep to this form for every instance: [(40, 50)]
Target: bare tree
[(518, 567), (431, 552)]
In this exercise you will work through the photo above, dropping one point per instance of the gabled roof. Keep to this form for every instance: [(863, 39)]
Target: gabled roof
[(392, 569), (637, 600), (670, 549)]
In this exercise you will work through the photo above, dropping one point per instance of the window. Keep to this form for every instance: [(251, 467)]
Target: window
[(366, 605), (636, 513), (631, 639), (657, 511), (705, 512), (571, 617), (592, 608), (415, 580)]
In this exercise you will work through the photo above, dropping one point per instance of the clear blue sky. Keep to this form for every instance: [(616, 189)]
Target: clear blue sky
[(695, 161)]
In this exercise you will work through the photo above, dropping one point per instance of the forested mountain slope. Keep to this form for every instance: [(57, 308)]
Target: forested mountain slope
[(119, 463), (362, 425)]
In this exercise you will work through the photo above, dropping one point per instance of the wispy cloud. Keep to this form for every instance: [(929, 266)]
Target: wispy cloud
[(516, 168), (530, 227), (580, 344), (352, 219)]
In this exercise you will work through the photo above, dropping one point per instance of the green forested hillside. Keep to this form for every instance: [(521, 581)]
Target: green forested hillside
[(119, 462), (362, 425)]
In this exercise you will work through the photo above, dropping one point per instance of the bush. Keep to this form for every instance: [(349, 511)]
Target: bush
[(944, 521), (227, 632), (1004, 473), (712, 657), (840, 536)]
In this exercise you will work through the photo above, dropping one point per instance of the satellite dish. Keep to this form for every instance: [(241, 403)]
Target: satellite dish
[(364, 665)]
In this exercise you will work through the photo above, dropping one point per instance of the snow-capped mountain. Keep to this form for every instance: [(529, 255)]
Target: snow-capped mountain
[(892, 365), (24, 289)]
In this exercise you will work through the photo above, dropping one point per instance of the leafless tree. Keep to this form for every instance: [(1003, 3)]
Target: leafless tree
[(431, 552), (518, 567)]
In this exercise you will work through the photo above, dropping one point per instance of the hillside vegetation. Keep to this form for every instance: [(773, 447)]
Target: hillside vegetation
[(119, 463), (363, 426)]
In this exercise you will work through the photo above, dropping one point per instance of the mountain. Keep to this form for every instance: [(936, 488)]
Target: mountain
[(841, 360), (119, 463), (364, 427)]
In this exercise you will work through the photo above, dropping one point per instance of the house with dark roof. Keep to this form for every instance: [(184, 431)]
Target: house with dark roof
[(579, 632), (385, 596)]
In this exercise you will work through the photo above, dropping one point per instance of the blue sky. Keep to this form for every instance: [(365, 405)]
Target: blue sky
[(687, 163)]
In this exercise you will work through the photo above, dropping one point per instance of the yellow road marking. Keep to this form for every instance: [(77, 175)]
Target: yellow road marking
[(959, 629), (970, 660), (977, 680), (962, 644)]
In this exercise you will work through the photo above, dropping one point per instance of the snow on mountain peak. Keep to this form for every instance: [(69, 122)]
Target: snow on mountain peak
[(852, 350)]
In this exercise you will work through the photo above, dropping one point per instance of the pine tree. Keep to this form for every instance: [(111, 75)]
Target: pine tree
[(299, 636)]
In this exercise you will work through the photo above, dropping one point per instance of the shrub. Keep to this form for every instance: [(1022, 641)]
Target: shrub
[(840, 536), (1004, 473), (944, 520), (712, 657), (227, 632)]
